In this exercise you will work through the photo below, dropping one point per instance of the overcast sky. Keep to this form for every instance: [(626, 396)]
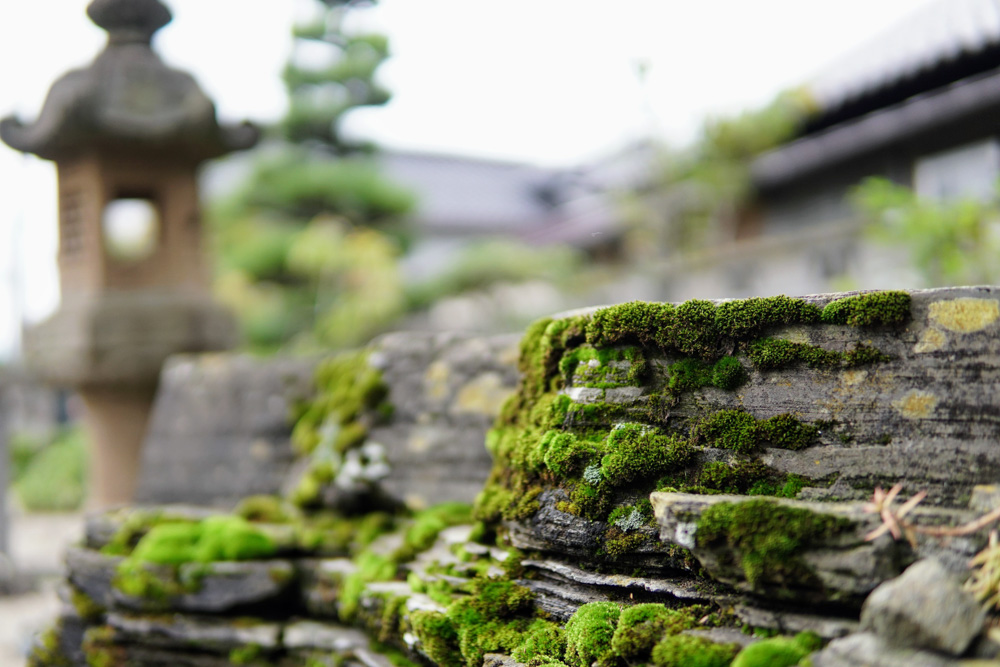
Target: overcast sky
[(545, 81)]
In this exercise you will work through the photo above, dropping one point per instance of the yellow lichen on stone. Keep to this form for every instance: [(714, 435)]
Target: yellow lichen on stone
[(916, 404), (418, 443), (852, 378), (484, 395), (965, 315), (436, 380), (931, 340)]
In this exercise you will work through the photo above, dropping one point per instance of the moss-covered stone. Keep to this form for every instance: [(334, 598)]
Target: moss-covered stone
[(774, 353), (778, 651), (212, 539), (689, 374), (642, 626), (767, 540), (634, 451), (890, 308), (741, 432), (348, 387), (589, 633), (691, 651), (748, 318)]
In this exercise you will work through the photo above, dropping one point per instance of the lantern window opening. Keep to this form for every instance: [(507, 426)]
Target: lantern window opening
[(131, 226)]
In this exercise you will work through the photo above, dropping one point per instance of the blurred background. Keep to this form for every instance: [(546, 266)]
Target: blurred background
[(459, 165), (447, 164)]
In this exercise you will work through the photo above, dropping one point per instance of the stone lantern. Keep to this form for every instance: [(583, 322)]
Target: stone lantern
[(127, 135)]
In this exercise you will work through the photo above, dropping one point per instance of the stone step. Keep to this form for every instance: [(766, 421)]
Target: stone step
[(802, 551)]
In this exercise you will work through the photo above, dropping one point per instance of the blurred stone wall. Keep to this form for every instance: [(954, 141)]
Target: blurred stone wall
[(221, 424)]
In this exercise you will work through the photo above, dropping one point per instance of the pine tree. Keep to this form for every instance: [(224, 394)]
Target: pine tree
[(307, 248)]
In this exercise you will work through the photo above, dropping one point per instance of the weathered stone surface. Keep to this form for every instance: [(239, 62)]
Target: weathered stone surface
[(324, 636), (936, 400), (553, 531), (869, 650), (790, 622), (846, 566), (92, 572), (500, 660), (724, 636), (320, 583), (229, 585), (925, 607), (222, 586), (562, 588), (892, 421), (220, 428), (201, 633), (446, 389)]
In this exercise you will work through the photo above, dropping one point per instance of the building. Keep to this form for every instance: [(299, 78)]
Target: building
[(919, 105)]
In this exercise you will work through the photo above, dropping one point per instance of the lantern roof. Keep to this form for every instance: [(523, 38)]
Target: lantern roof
[(127, 99)]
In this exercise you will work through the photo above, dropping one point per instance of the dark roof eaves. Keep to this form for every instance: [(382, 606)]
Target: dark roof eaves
[(874, 131)]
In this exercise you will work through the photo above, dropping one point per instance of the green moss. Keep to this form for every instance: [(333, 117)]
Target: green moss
[(728, 373), (565, 453), (695, 327), (500, 598), (636, 322), (85, 606), (542, 349), (634, 451), (438, 638), (867, 310), (245, 655), (693, 331), (689, 374), (348, 387), (773, 353), (788, 487), (640, 628), (135, 524), (631, 517), (862, 355), (766, 539), (428, 523), (267, 509), (330, 534), (742, 433), (495, 617), (96, 650), (370, 567), (47, 652), (618, 543), (737, 477), (691, 651), (212, 539), (747, 318), (589, 633), (596, 413), (778, 651), (393, 608), (787, 432), (544, 642), (729, 429)]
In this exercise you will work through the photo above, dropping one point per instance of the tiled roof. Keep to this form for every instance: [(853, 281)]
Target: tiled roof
[(937, 44)]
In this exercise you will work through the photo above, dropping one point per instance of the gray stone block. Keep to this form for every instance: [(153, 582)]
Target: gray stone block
[(220, 428), (446, 390), (925, 607)]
